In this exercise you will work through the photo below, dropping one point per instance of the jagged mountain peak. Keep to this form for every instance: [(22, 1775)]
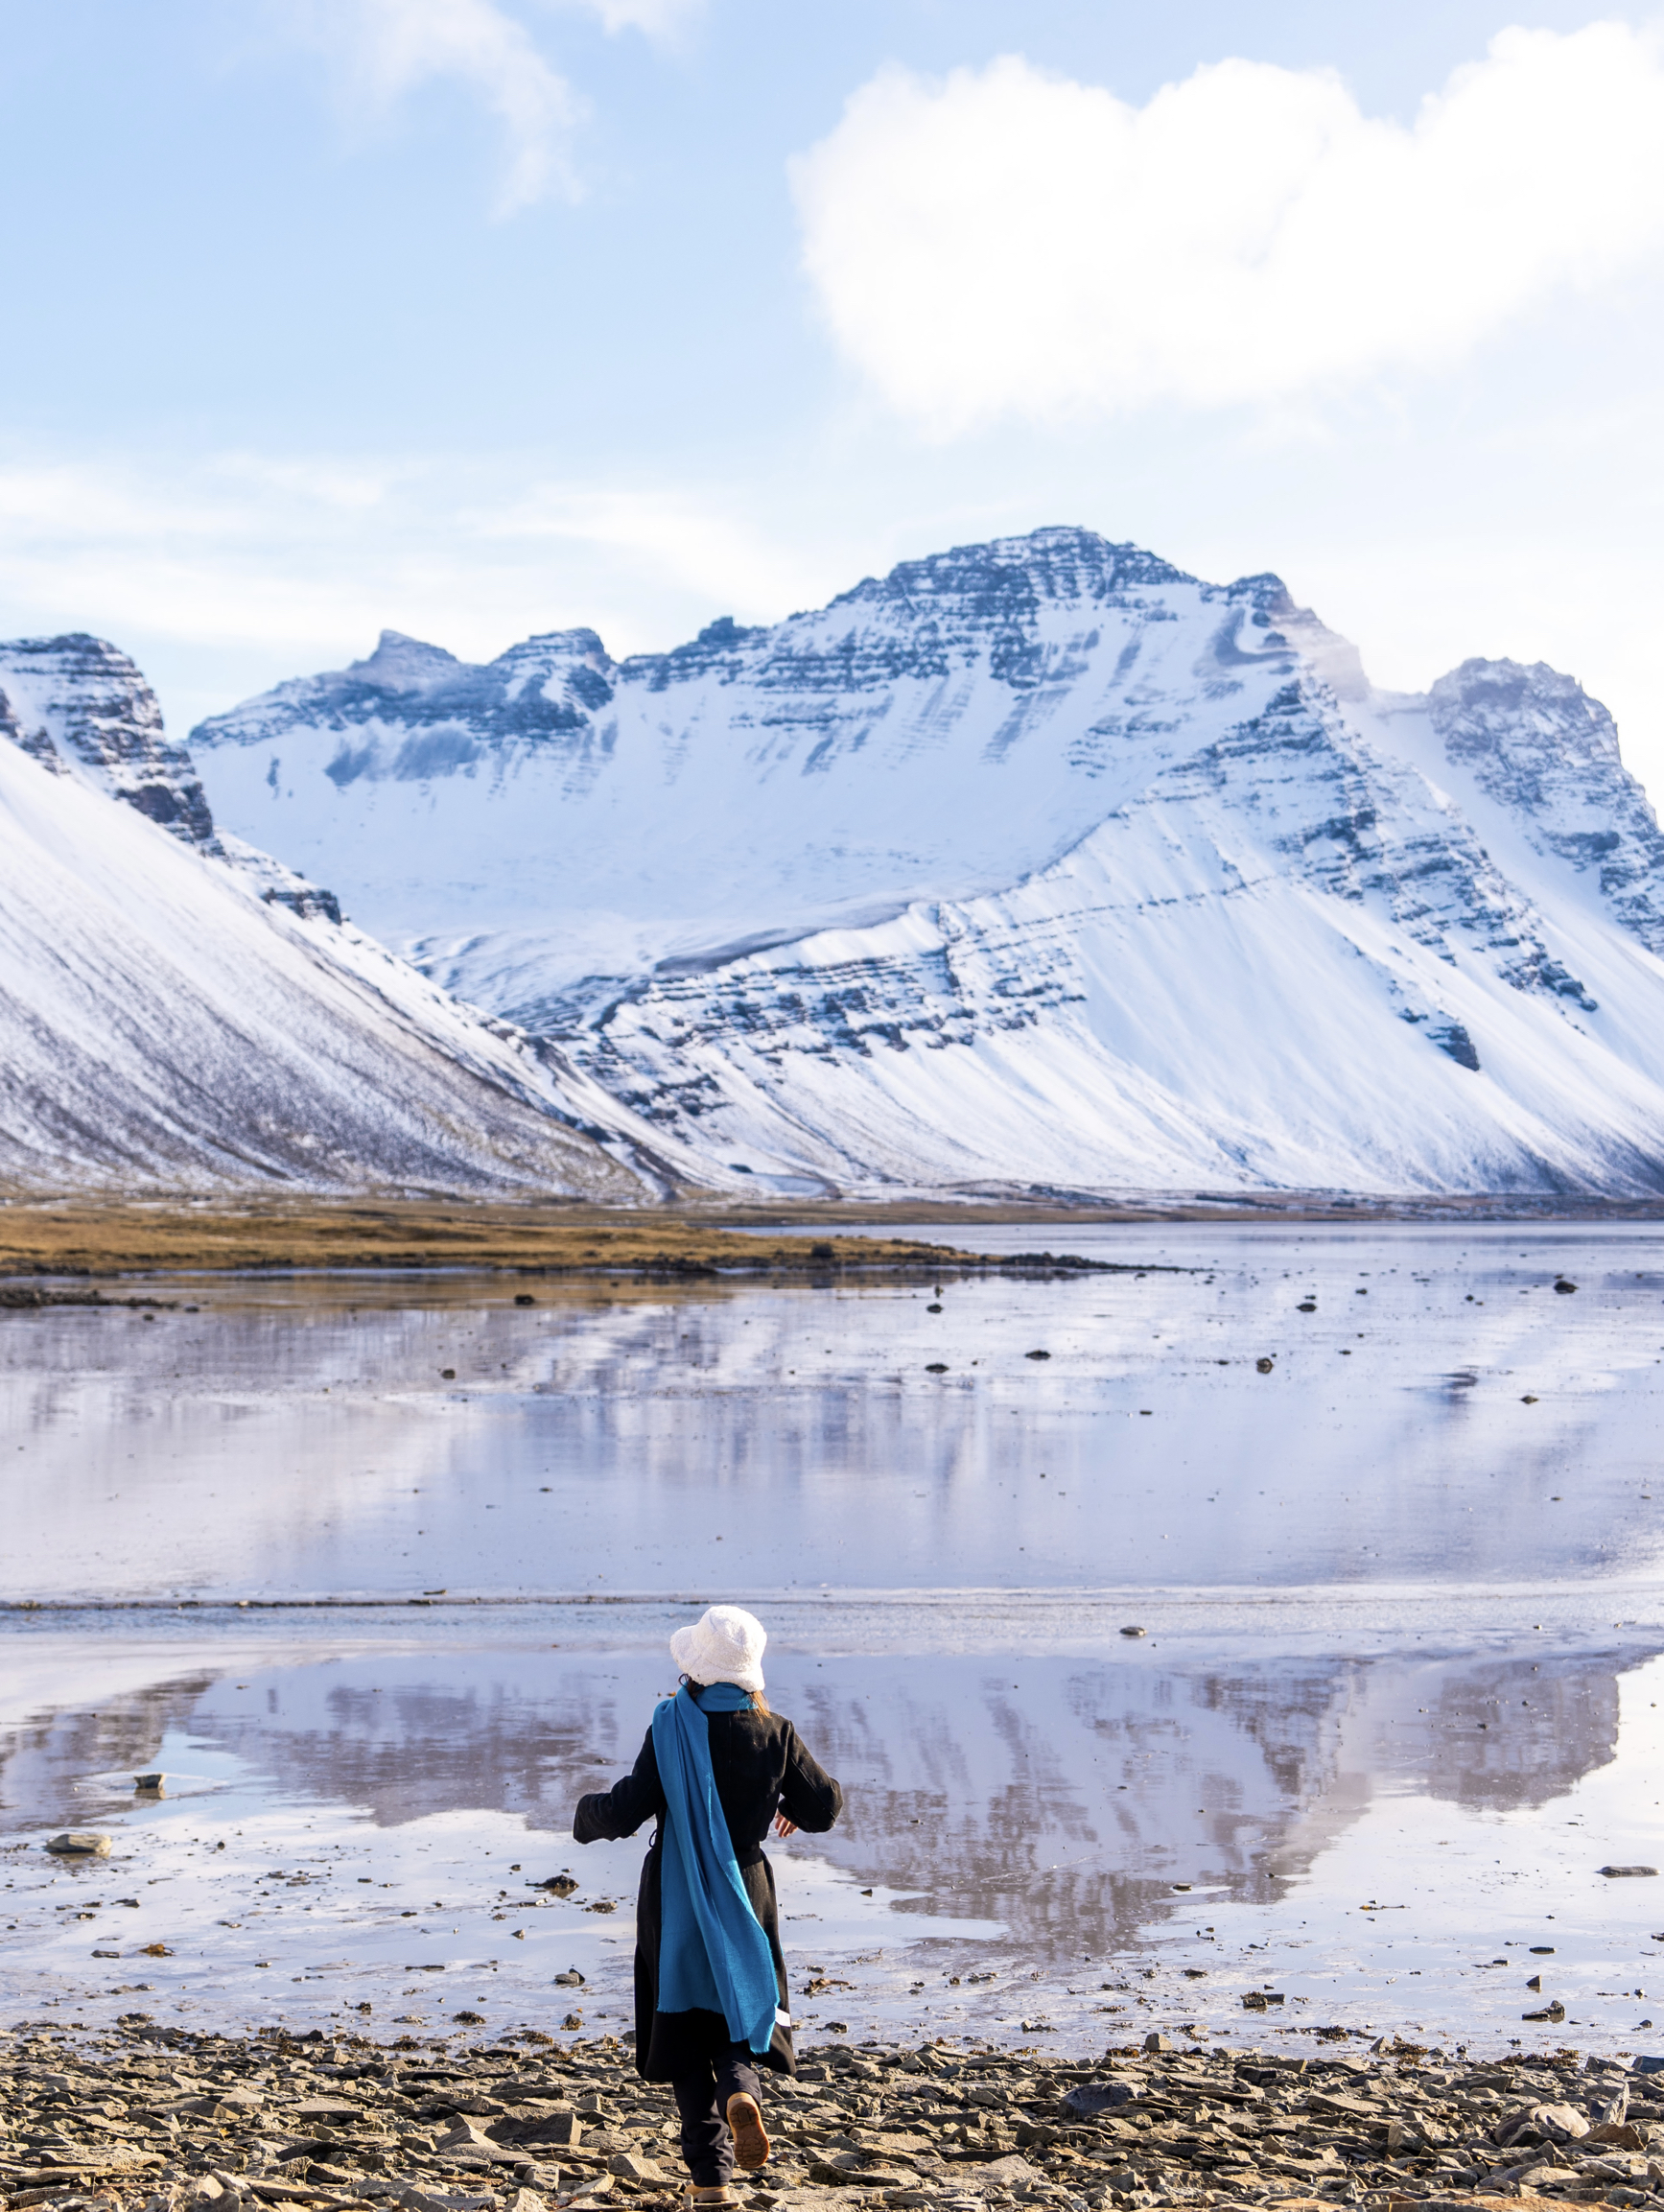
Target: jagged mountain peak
[(551, 649), (1061, 563), (1535, 743), (405, 664), (1509, 705)]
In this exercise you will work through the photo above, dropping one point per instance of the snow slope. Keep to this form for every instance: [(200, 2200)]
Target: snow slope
[(1037, 862), (174, 1010), (558, 822)]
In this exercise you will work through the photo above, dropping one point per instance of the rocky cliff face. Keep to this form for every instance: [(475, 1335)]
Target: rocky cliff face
[(80, 705), (81, 708), (1537, 745), (412, 712), (1037, 861)]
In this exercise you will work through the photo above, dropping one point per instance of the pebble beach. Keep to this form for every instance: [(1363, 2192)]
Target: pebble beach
[(153, 2118)]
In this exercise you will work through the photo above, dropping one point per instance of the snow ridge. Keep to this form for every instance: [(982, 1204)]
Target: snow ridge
[(181, 1011)]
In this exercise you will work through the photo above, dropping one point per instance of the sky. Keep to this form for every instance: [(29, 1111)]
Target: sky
[(473, 319)]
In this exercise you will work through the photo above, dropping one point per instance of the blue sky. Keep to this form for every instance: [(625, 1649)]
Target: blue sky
[(480, 316)]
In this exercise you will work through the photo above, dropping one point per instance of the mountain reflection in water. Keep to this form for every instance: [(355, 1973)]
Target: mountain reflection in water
[(385, 1572), (1062, 1797)]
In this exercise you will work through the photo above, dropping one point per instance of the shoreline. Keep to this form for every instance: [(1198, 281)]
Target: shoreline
[(76, 1238), (78, 1242)]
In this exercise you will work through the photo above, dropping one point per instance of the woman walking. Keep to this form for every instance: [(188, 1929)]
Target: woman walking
[(711, 2001)]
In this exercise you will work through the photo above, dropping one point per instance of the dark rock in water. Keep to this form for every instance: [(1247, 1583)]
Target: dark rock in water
[(572, 1979), (1564, 1287), (523, 1298), (1264, 1366), (933, 1310), (1131, 1632), (1037, 1355), (936, 1367), (1306, 1305)]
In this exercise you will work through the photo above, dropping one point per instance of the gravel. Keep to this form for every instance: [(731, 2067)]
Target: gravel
[(151, 2118)]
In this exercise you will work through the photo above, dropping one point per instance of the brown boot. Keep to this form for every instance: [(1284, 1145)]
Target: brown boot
[(750, 2136)]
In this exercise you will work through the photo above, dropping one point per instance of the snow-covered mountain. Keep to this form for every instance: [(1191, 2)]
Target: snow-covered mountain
[(176, 1008), (1033, 862)]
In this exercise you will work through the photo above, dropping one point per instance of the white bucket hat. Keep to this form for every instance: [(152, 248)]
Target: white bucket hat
[(726, 1646)]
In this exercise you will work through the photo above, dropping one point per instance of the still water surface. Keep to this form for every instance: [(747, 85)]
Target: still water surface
[(1395, 1704)]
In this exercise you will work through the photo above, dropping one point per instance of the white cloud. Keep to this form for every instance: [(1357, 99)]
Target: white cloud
[(665, 537), (391, 48), (387, 49), (225, 574), (1006, 242), (661, 19)]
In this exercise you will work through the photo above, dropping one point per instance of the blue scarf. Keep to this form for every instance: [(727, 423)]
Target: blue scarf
[(713, 1953)]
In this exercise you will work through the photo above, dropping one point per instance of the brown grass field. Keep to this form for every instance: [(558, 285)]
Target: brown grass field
[(100, 1239)]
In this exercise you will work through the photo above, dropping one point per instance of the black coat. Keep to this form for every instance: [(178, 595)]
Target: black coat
[(760, 1769)]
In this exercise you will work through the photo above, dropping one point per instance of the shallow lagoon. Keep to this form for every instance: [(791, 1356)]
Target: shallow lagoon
[(1400, 1633)]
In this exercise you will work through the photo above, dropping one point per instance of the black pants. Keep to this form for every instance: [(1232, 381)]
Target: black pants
[(702, 2095)]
